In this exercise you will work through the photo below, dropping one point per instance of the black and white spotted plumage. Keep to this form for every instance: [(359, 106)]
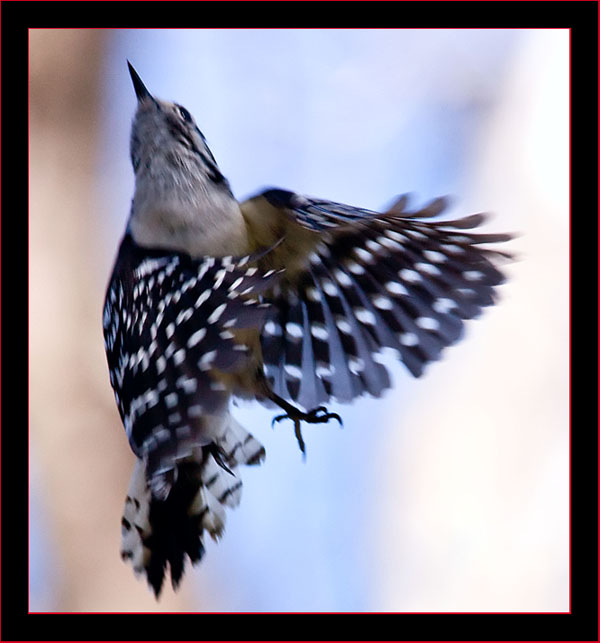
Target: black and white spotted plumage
[(397, 280), (169, 323)]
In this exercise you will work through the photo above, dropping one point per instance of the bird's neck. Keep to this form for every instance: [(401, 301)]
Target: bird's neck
[(187, 216)]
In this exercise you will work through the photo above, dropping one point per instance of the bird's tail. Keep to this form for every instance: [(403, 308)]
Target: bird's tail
[(157, 532)]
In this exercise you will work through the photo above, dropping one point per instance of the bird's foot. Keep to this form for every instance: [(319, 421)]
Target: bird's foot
[(319, 415)]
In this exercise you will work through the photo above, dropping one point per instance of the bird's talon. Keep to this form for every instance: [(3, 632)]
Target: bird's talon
[(318, 415), (278, 418), (299, 437), (314, 413)]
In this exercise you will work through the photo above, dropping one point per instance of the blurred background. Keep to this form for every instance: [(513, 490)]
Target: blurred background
[(449, 494)]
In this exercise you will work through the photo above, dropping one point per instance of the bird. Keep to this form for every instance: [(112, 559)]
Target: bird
[(286, 299)]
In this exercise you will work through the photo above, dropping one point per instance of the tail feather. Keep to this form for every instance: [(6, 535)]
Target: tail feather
[(174, 532), (159, 533), (135, 523), (239, 446), (222, 485), (210, 512)]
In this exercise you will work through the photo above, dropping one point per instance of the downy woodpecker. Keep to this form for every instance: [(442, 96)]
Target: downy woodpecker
[(282, 298)]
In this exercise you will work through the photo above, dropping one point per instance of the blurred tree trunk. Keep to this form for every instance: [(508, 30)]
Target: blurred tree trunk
[(80, 461)]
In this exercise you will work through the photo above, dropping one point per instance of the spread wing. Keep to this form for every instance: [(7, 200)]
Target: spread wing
[(396, 280)]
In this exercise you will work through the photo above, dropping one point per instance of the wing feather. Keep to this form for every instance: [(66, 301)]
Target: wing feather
[(372, 281), (167, 327)]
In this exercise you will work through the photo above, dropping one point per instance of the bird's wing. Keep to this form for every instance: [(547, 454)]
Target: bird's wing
[(396, 280), (168, 322)]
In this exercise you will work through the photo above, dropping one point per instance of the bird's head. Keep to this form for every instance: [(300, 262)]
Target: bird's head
[(165, 133)]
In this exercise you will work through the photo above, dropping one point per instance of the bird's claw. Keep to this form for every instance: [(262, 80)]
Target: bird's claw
[(278, 418), (313, 417), (319, 415)]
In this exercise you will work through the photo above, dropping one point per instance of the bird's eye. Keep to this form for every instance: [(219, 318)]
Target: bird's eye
[(184, 114)]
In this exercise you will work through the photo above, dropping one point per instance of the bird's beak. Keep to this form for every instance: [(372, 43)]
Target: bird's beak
[(140, 89)]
